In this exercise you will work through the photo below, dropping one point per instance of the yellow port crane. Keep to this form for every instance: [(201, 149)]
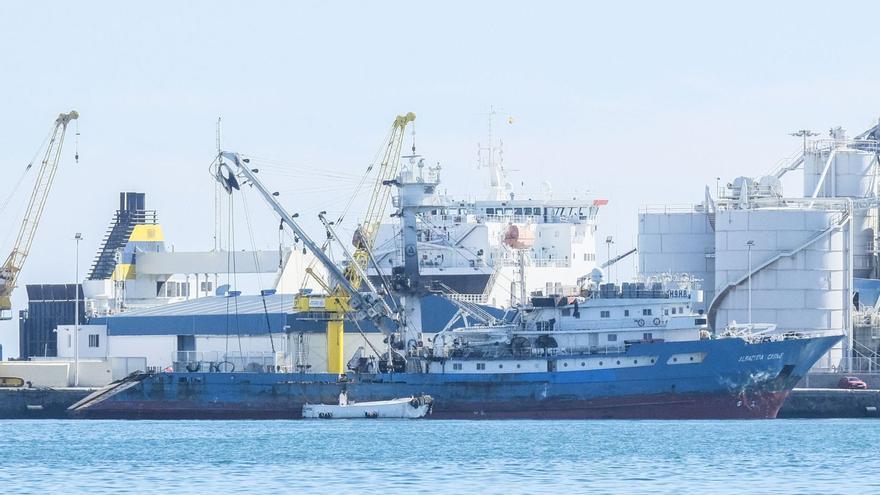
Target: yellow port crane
[(12, 267), (389, 166)]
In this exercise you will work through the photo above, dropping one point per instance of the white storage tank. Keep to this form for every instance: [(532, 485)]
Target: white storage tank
[(852, 173), (677, 240), (806, 287)]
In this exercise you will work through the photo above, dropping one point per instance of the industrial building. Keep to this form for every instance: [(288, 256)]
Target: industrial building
[(805, 263)]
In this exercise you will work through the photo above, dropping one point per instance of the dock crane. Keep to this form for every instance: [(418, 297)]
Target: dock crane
[(343, 297), (365, 235), (12, 267)]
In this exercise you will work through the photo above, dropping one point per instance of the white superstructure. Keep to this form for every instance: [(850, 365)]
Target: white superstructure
[(497, 250)]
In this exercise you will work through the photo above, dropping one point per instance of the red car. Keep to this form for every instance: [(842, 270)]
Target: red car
[(851, 382)]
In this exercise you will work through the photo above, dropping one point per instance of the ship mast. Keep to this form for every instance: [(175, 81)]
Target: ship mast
[(486, 157)]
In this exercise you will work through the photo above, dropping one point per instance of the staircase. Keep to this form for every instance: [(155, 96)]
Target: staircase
[(131, 213)]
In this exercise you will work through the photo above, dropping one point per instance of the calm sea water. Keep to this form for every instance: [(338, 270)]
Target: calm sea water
[(790, 456)]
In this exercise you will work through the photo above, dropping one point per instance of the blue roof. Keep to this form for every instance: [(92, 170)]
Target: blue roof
[(245, 315)]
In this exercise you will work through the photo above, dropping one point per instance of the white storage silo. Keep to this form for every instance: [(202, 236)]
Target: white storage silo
[(677, 240), (850, 171), (801, 279)]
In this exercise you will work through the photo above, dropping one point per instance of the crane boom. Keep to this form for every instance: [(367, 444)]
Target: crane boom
[(365, 237), (12, 267), (365, 305)]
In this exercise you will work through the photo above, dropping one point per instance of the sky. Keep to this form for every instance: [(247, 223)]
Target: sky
[(635, 102)]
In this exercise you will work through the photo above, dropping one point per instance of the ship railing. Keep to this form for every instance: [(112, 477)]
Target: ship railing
[(568, 351), (673, 208), (629, 323), (550, 262), (539, 262), (215, 361), (549, 218), (452, 263)]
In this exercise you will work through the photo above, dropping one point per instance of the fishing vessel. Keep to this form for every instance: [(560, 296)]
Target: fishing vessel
[(634, 351)]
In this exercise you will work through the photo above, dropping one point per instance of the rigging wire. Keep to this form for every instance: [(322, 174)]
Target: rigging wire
[(247, 218), (232, 272), (27, 169)]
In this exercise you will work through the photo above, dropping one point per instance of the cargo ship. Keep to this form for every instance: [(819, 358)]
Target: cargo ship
[(636, 351)]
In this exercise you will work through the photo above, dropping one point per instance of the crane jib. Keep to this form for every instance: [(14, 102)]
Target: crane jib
[(11, 269)]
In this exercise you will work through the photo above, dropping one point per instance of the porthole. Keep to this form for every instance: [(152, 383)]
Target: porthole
[(652, 360), (583, 363), (500, 366), (600, 363), (618, 362), (635, 361), (692, 358), (674, 360), (517, 366), (565, 365)]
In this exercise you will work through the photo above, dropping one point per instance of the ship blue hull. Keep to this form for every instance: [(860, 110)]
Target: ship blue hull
[(735, 380)]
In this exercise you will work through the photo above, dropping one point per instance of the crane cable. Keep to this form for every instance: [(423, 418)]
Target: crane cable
[(247, 218), (27, 169), (232, 270), (356, 193)]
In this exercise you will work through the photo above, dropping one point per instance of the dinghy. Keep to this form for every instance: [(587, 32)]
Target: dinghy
[(402, 408)]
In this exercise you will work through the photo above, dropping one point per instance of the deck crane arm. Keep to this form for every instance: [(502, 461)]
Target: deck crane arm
[(608, 263), (617, 258), (365, 236), (12, 267), (366, 305)]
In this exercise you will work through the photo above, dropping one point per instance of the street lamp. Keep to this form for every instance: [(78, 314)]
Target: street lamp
[(749, 244), (804, 133), (608, 242), (78, 237)]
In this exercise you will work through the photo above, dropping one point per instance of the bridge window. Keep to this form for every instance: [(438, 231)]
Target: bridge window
[(612, 337), (94, 340), (605, 314), (646, 312), (481, 366), (625, 312), (456, 366)]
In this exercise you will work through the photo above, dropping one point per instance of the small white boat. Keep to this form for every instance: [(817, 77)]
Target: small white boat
[(403, 408)]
